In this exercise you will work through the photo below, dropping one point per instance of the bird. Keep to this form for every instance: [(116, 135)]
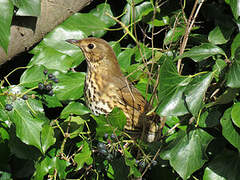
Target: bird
[(106, 87)]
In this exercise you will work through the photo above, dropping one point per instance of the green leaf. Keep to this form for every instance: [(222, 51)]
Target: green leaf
[(115, 121), (158, 23), (47, 137), (124, 58), (140, 11), (28, 8), (6, 9), (210, 118), (131, 162), (235, 44), (187, 152), (218, 67), (116, 47), (204, 51), (230, 132), (84, 156), (235, 6), (235, 114), (224, 167), (32, 76), (51, 101), (74, 108), (195, 92), (70, 86), (76, 126), (174, 35), (170, 90), (233, 76), (50, 164), (52, 59), (145, 53), (28, 118), (87, 23), (218, 36), (100, 12)]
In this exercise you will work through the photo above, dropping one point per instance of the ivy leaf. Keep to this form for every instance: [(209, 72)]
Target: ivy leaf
[(32, 76), (233, 75), (140, 11), (5, 19), (51, 163), (173, 35), (47, 137), (115, 121), (28, 118), (195, 92), (235, 44), (235, 114), (131, 162), (84, 156), (219, 35), (124, 58), (187, 152), (28, 8), (230, 132), (74, 108), (235, 6), (204, 51), (225, 166), (70, 86), (171, 89)]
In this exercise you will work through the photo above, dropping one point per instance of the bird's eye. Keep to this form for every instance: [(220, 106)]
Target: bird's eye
[(90, 46)]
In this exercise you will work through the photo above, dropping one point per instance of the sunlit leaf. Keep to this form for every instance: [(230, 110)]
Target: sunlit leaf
[(187, 152), (28, 8)]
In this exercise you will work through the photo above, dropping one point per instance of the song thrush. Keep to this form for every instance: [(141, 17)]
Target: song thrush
[(106, 87)]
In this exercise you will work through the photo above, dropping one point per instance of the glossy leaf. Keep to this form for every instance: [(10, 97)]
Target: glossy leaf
[(28, 118), (174, 35), (70, 86), (195, 92), (124, 58), (225, 166), (114, 122), (229, 131), (140, 11), (28, 8), (75, 108), (187, 152), (233, 76), (131, 162), (84, 156), (235, 114), (204, 51), (6, 14), (32, 76), (49, 164), (171, 89), (47, 137), (51, 101), (218, 36), (235, 6), (235, 44)]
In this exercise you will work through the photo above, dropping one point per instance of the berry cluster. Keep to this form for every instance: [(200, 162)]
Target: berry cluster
[(46, 87), (109, 149)]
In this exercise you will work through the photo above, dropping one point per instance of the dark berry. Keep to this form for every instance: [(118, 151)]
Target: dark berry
[(56, 80), (48, 87), (51, 93), (8, 107), (142, 164), (154, 162), (103, 151), (113, 137), (50, 76), (45, 71), (101, 145), (40, 86), (25, 97), (105, 136)]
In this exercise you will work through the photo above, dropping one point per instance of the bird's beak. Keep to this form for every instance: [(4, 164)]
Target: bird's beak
[(74, 41)]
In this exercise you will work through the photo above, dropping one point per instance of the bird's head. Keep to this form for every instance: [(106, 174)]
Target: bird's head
[(96, 50)]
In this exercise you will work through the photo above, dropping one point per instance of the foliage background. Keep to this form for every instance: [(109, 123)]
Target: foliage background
[(184, 58)]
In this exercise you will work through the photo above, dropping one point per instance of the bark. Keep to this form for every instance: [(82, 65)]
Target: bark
[(27, 31)]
